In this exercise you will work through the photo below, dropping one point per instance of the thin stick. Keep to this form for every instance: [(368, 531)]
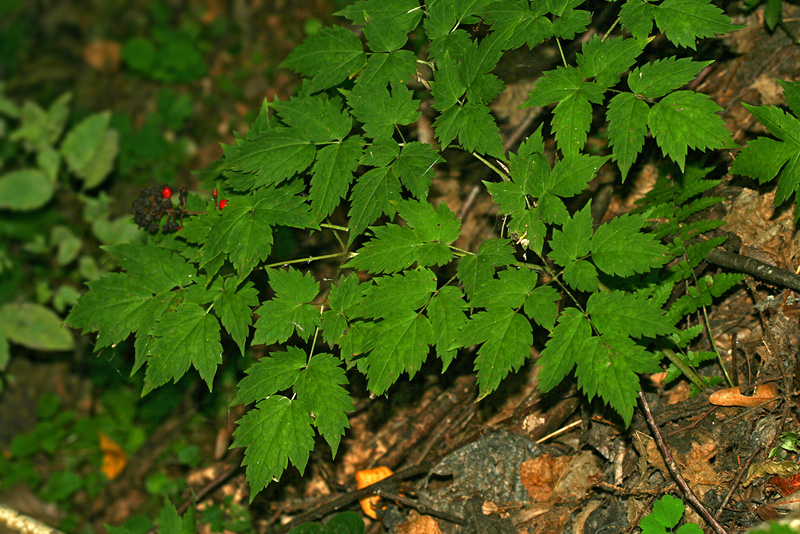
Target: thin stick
[(736, 481), (560, 431), (673, 468), (22, 523)]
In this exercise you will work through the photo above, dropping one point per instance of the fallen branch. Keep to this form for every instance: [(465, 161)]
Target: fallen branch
[(22, 523)]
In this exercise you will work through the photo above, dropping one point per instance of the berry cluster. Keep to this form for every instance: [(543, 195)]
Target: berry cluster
[(154, 203)]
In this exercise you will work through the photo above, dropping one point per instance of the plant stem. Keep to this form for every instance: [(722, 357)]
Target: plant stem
[(309, 260), (698, 381), (334, 227), (503, 175)]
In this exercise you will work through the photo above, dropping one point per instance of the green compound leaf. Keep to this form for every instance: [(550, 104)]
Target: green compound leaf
[(514, 23), (637, 17), (115, 306), (668, 511), (317, 117), (397, 247), (271, 157), (447, 317), (319, 390), (474, 126), (379, 111), (764, 158), (619, 312), (572, 118), (332, 175), (475, 71), (387, 23), (572, 173), (155, 268), (664, 75), (474, 271), (581, 275), (235, 306), (570, 21), (185, 336), (392, 68), (627, 126), (25, 190), (554, 86), (608, 366), (446, 87), (511, 288), (397, 294), (685, 119), (373, 195), (607, 60), (620, 249), (269, 375), (542, 306), (572, 241), (506, 338), (399, 344), (563, 349), (289, 311), (414, 167), (329, 57), (684, 21), (276, 431)]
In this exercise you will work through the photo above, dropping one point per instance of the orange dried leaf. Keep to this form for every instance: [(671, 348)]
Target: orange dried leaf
[(733, 397), (365, 478), (114, 458)]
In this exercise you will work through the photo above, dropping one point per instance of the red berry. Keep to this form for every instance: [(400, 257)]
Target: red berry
[(223, 203), (166, 192), (214, 192)]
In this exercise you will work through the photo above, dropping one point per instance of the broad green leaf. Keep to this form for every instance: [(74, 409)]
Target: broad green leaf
[(474, 126), (608, 367), (235, 306), (317, 117), (289, 311), (571, 174), (438, 225), (554, 86), (662, 76), (552, 209), (782, 125), (381, 112), (627, 126), (392, 68), (668, 511), (95, 172), (516, 24), (607, 60), (446, 314), (620, 249), (155, 268), (168, 519), (572, 241), (271, 374), (274, 156), (319, 390), (475, 71), (332, 175), (581, 275), (685, 21), (115, 306), (39, 129), (623, 313), (397, 294), (35, 327), (344, 296), (505, 337), (474, 271), (393, 249), (400, 344), (455, 44), (541, 305), (328, 58), (372, 196), (84, 140), (509, 196), (387, 23), (380, 153), (637, 17), (447, 86), (563, 349), (572, 118), (570, 21), (685, 119), (414, 167), (25, 190), (511, 288), (531, 171), (791, 92), (275, 431), (185, 336)]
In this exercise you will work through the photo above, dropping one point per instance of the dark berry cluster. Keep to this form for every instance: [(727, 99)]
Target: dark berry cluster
[(154, 203)]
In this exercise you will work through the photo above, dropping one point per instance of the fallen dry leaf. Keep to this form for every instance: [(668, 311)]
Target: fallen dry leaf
[(102, 56), (733, 397), (540, 475)]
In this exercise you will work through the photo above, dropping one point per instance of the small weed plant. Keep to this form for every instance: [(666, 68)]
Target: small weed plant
[(667, 513), (341, 159)]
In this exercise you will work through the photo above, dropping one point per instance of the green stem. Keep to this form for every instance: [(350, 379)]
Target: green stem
[(716, 349), (309, 260), (503, 175), (334, 227), (698, 381)]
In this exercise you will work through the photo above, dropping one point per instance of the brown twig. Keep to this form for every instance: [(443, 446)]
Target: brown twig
[(674, 471), (421, 508)]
